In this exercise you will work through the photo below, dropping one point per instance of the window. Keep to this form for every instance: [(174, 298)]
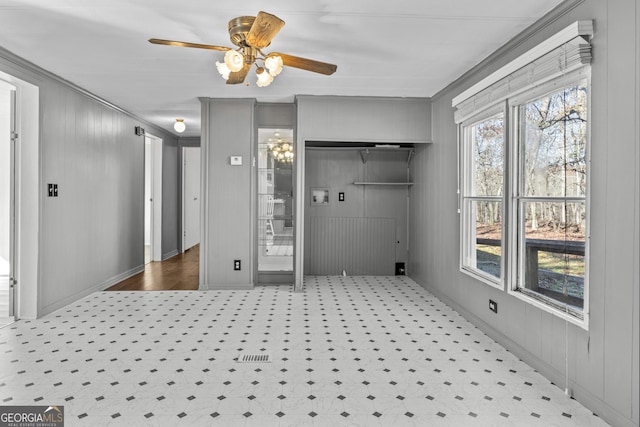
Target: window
[(523, 158), (551, 196), (482, 198)]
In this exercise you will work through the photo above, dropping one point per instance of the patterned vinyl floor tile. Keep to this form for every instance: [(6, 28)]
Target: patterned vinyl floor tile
[(348, 351)]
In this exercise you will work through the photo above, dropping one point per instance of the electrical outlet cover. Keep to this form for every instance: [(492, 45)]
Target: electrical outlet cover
[(493, 306)]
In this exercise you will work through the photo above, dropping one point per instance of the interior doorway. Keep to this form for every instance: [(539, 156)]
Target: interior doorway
[(276, 229), (152, 199), (7, 201), (190, 197)]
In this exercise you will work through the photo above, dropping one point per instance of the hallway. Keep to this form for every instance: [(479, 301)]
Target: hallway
[(179, 272), (374, 351)]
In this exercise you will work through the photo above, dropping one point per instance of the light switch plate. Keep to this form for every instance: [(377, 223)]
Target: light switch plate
[(236, 161)]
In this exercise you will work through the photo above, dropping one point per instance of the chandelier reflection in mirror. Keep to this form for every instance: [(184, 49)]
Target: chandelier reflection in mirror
[(280, 147)]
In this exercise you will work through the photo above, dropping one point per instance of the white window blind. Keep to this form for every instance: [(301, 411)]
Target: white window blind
[(566, 51)]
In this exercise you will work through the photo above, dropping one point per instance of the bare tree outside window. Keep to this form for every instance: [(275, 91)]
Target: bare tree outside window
[(553, 194), (483, 196)]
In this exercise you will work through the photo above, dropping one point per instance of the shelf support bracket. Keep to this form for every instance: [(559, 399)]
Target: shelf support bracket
[(409, 156), (365, 155)]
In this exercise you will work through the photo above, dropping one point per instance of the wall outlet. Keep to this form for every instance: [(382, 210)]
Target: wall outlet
[(236, 265), (493, 306)]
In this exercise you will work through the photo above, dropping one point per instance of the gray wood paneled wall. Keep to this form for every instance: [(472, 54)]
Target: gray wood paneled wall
[(91, 235), (603, 361), (171, 197), (359, 246), (371, 119), (228, 194)]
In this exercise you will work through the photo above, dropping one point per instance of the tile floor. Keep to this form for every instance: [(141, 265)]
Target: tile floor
[(349, 351)]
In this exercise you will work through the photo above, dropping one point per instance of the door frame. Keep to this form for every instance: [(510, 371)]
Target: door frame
[(12, 137), (27, 197), (184, 195), (155, 152), (12, 203)]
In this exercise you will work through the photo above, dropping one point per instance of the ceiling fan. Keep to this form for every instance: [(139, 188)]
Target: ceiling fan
[(252, 34)]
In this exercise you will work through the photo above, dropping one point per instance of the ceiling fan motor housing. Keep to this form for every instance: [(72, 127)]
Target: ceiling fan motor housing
[(238, 29)]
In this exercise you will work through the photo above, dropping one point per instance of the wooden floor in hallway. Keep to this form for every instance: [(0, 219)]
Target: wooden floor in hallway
[(180, 272)]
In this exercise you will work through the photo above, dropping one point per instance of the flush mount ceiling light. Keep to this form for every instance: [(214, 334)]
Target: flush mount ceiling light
[(251, 34), (179, 125)]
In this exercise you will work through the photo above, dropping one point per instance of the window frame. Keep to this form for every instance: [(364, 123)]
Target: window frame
[(464, 145), (516, 258), (512, 262)]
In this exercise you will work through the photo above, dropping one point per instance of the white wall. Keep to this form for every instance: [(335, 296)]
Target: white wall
[(603, 361)]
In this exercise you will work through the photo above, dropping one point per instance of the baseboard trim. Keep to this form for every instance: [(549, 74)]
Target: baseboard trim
[(95, 288), (170, 254), (585, 397)]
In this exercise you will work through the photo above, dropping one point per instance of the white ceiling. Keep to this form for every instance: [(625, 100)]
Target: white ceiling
[(101, 45)]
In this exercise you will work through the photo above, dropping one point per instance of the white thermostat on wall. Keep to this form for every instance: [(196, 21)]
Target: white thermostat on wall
[(236, 161)]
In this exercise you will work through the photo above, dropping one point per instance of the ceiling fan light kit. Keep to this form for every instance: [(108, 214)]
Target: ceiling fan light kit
[(251, 34)]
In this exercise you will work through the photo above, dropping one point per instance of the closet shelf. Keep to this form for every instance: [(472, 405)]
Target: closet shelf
[(365, 152), (383, 183)]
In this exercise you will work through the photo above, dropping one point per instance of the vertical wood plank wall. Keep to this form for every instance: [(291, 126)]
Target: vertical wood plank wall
[(359, 246), (603, 361), (227, 194)]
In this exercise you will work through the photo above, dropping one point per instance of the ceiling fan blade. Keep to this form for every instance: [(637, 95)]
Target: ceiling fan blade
[(187, 44), (263, 30), (238, 76), (306, 64)]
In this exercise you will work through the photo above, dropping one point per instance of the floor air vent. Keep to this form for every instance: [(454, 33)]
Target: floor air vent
[(254, 358)]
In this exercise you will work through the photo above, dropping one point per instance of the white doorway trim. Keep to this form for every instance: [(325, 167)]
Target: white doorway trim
[(7, 202), (153, 149), (27, 192)]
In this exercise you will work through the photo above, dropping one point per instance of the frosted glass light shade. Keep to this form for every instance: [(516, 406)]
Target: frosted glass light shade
[(264, 78), (223, 70), (234, 60), (179, 125), (274, 65)]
